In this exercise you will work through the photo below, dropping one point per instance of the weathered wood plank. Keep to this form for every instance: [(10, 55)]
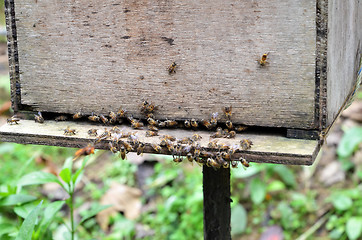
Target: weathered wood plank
[(272, 148), (97, 55), (344, 52)]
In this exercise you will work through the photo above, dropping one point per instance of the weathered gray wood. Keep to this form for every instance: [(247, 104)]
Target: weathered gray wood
[(217, 212), (267, 148), (90, 55), (344, 52)]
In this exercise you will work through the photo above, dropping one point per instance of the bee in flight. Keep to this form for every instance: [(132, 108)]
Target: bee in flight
[(262, 61), (84, 152), (172, 68), (38, 118)]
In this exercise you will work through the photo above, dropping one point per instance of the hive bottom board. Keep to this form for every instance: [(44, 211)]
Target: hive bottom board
[(267, 148)]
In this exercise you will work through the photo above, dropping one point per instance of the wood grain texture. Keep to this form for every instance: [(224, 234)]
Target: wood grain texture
[(344, 52), (267, 148), (93, 56)]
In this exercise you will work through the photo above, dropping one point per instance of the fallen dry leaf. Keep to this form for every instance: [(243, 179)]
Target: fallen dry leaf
[(123, 199), (5, 107)]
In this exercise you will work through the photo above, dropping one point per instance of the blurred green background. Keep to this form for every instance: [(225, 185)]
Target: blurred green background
[(156, 199)]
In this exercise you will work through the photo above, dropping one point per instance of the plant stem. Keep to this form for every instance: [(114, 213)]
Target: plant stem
[(71, 203)]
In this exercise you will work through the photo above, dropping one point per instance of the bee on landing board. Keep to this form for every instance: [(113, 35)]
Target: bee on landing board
[(245, 144), (61, 118), (92, 132), (69, 132), (262, 61), (172, 68), (244, 162), (13, 120), (77, 115), (93, 118), (38, 118), (228, 112)]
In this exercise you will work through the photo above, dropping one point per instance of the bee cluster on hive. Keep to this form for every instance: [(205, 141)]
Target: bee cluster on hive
[(216, 154)]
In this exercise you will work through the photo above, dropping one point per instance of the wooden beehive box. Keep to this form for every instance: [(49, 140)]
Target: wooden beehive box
[(95, 56)]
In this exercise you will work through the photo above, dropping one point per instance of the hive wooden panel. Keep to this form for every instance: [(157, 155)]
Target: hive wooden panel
[(272, 148), (93, 56)]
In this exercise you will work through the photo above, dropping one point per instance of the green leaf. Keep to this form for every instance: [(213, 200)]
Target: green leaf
[(25, 209), (65, 174), (26, 229), (349, 142), (93, 212), (79, 172), (36, 178), (15, 199), (238, 219), (6, 228), (48, 216), (286, 175), (257, 190), (341, 202), (275, 185), (354, 228), (245, 173), (68, 163)]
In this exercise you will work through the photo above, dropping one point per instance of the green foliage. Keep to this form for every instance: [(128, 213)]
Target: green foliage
[(354, 227), (239, 219), (258, 190), (26, 229), (349, 142)]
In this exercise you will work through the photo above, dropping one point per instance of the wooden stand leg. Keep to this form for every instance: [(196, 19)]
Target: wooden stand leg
[(217, 200)]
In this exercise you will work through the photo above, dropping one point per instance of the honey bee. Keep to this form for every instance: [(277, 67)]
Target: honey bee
[(185, 140), (103, 119), (205, 154), (194, 123), (170, 123), (262, 60), (140, 148), (151, 133), (61, 118), (152, 121), (93, 118), (128, 146), (13, 120), (213, 163), (206, 123), (152, 128), (172, 68), (187, 124), (229, 124), (77, 115), (88, 150), (69, 132), (133, 139), (106, 134), (245, 144), (226, 156), (240, 128), (196, 137), (189, 157), (218, 134), (112, 148), (169, 137), (112, 117), (228, 112), (123, 152), (223, 147), (156, 147), (234, 164), (122, 113), (177, 159), (226, 164), (38, 118), (231, 134), (92, 132), (162, 124), (244, 162), (115, 129), (150, 115), (212, 144), (136, 124), (213, 120)]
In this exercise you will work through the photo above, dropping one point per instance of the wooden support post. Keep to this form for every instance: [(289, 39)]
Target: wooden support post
[(217, 213)]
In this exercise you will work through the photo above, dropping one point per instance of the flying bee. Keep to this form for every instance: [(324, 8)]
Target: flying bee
[(234, 164), (206, 123), (77, 115), (93, 118), (69, 132), (136, 124), (103, 119), (240, 128), (196, 137), (92, 132), (61, 118), (140, 148), (212, 144), (112, 148), (151, 133), (123, 152), (152, 128), (170, 123), (169, 137), (194, 123), (244, 162), (245, 144), (231, 134), (228, 112), (156, 147), (152, 121), (187, 124), (262, 61), (38, 118), (229, 124), (13, 120), (88, 150), (112, 117), (172, 68)]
